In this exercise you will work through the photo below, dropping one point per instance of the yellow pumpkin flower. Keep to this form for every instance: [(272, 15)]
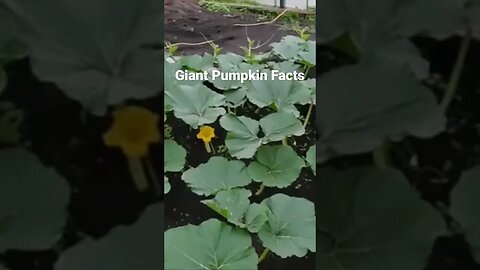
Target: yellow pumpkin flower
[(133, 130), (206, 134)]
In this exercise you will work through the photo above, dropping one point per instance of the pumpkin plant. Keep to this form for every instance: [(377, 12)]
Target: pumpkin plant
[(369, 216), (245, 153)]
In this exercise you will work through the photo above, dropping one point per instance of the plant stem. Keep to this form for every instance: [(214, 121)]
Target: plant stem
[(457, 71), (260, 190), (307, 118), (284, 142), (138, 174), (263, 255), (153, 177), (207, 147)]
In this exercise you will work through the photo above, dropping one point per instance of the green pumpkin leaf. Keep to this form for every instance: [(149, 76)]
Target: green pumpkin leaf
[(210, 245), (465, 205), (373, 219), (382, 29), (33, 202), (216, 175), (174, 156), (166, 185), (278, 126), (255, 217), (289, 47), (139, 246), (312, 159), (93, 51), (283, 94), (242, 138), (196, 105), (276, 166), (362, 105), (290, 229), (197, 62), (231, 204)]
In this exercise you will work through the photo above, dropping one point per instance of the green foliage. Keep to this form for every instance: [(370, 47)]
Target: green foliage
[(124, 248), (216, 175), (242, 138), (372, 219), (362, 105), (98, 61), (276, 166), (173, 160), (290, 229), (210, 245), (465, 206), (33, 202), (226, 181)]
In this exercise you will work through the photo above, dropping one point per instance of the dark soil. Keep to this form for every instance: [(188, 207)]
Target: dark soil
[(442, 159), (187, 22)]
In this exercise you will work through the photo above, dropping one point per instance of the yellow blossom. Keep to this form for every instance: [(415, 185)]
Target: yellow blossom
[(206, 134), (133, 130)]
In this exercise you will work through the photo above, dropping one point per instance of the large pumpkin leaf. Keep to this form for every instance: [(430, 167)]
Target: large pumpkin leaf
[(173, 160), (284, 95), (311, 158), (372, 219), (210, 245), (231, 204), (216, 175), (93, 49), (276, 166), (360, 106), (174, 156), (195, 104), (242, 138), (290, 228), (381, 29), (235, 206), (139, 246), (465, 205), (33, 202)]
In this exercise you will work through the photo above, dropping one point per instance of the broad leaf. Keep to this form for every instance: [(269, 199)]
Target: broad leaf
[(231, 204), (93, 49), (290, 229), (242, 138), (33, 202), (373, 219), (311, 158), (216, 175), (166, 185), (196, 105), (197, 62), (360, 106), (139, 246), (255, 217), (465, 205), (174, 156), (278, 126), (381, 29), (295, 48), (210, 245), (283, 94), (276, 166)]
